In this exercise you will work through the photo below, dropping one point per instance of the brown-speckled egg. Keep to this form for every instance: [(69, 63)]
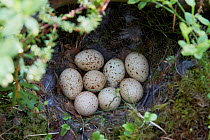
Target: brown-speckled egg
[(114, 71), (94, 81), (109, 98), (137, 66), (89, 60), (131, 90), (71, 84), (86, 103)]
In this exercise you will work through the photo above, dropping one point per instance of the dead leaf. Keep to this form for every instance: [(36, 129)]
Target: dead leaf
[(69, 107)]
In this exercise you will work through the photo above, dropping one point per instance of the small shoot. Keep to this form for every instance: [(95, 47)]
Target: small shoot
[(67, 117), (48, 137), (129, 129), (97, 136), (64, 129), (149, 117)]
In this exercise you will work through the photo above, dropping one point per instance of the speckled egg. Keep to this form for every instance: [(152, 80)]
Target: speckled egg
[(137, 66), (89, 60), (114, 71), (131, 90), (109, 98), (94, 81), (71, 84), (86, 103)]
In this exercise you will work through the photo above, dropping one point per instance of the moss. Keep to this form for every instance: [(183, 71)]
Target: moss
[(186, 115), (21, 125)]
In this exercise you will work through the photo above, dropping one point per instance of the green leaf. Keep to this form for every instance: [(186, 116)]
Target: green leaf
[(30, 7), (141, 5), (208, 95), (126, 133), (182, 43), (65, 126), (46, 102), (166, 3), (202, 19), (97, 136), (6, 70), (8, 3), (36, 70), (185, 30), (48, 137), (10, 46), (13, 25), (23, 68), (202, 39), (67, 117), (64, 129), (149, 116), (172, 2), (189, 18), (188, 49), (129, 127), (190, 2), (153, 117), (32, 25), (117, 90), (28, 85), (196, 27), (201, 33), (208, 29), (27, 99), (201, 48), (6, 14), (133, 1)]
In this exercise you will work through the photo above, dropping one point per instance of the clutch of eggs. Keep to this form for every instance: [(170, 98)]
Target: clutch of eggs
[(94, 81)]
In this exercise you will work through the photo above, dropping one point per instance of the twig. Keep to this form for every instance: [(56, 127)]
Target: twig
[(103, 8), (151, 122), (1, 137), (6, 131), (72, 13), (167, 138), (174, 19), (40, 135)]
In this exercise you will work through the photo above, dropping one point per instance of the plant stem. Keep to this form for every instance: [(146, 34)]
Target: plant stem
[(170, 10), (139, 115), (180, 6), (17, 85)]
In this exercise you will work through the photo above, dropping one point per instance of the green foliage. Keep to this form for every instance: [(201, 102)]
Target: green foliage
[(85, 23), (67, 117), (194, 27), (14, 15), (97, 136), (129, 128), (48, 137), (139, 129), (64, 129), (149, 117), (25, 46)]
